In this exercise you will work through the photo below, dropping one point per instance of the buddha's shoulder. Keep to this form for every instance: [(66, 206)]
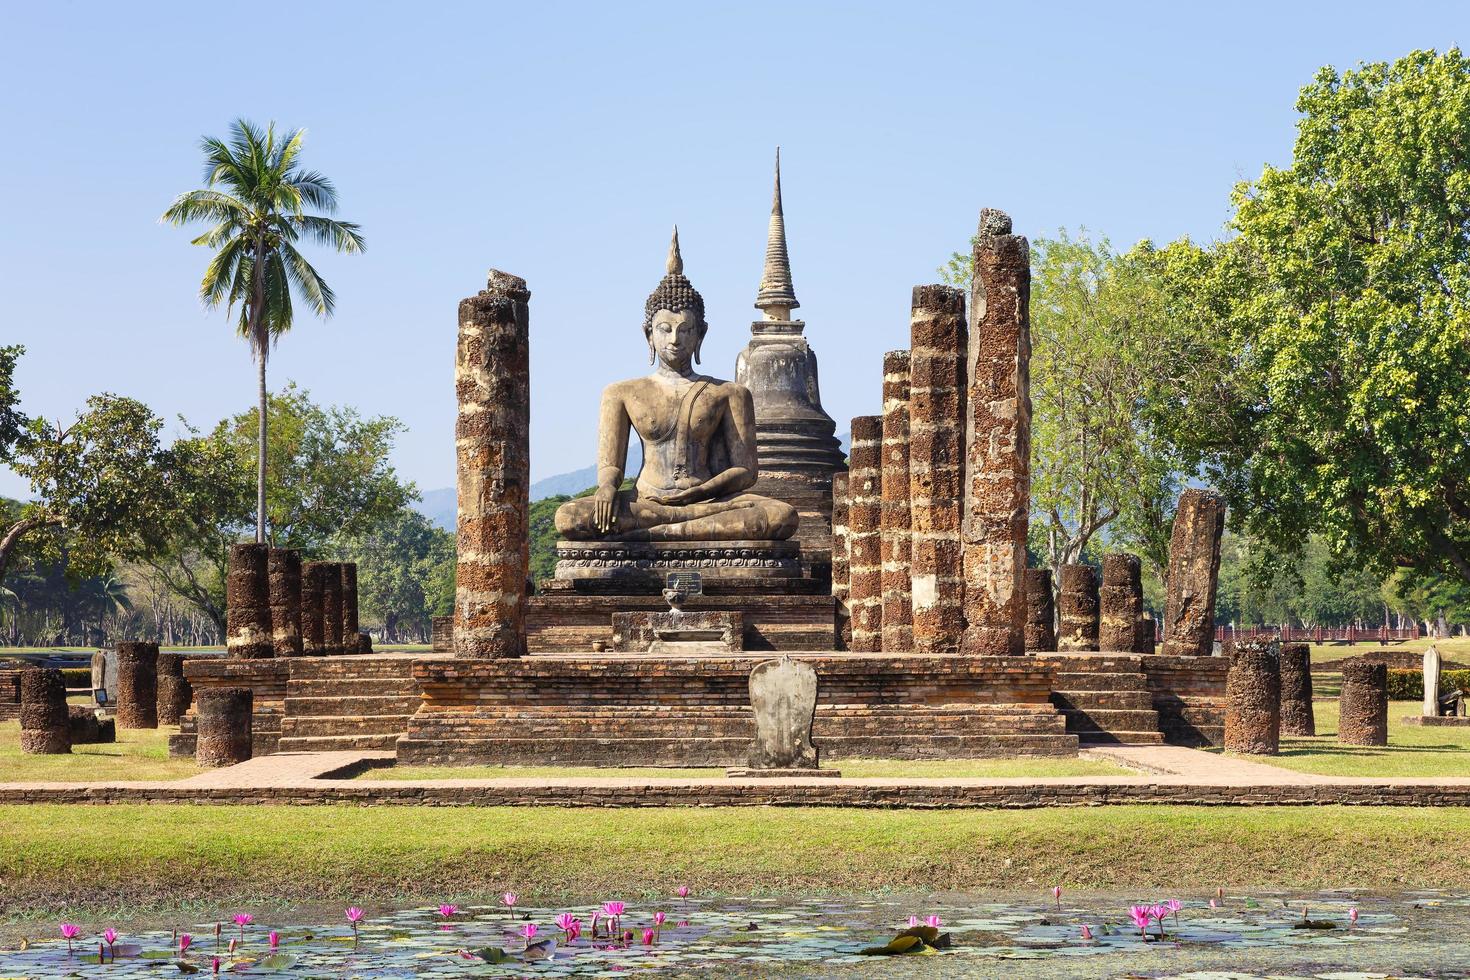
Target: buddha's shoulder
[(648, 385)]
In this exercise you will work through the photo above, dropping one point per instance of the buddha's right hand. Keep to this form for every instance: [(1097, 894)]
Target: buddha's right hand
[(605, 509)]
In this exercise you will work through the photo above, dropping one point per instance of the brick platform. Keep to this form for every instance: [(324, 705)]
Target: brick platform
[(629, 710), (1134, 698)]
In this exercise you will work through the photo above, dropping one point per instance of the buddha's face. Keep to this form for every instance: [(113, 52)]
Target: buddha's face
[(674, 338)]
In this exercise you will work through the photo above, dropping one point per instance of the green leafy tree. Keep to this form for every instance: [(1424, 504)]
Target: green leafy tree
[(12, 422), (1338, 400), (256, 199), (401, 571)]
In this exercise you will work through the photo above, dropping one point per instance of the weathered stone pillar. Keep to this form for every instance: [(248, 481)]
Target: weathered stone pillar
[(998, 440), (313, 629), (284, 566), (939, 339), (45, 726), (492, 444), (843, 627), (174, 692), (1041, 634), (1078, 614), (1362, 707), (1296, 690), (247, 603), (1194, 567), (1120, 604), (1147, 634), (898, 617), (350, 633), (224, 726), (137, 685), (331, 609), (864, 534), (1253, 701)]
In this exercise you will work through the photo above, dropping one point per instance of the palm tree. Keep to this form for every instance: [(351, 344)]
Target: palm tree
[(255, 197)]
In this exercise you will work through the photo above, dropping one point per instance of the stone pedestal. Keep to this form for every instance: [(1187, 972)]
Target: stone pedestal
[(1041, 636), (1362, 707), (284, 573), (247, 597), (1078, 612), (998, 440), (692, 633), (864, 534), (492, 439), (1253, 701), (1296, 690), (939, 340), (224, 726), (898, 628), (651, 562), (137, 685), (1120, 604), (45, 725), (1194, 568)]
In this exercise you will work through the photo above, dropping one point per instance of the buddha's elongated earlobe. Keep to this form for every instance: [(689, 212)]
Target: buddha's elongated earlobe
[(652, 354)]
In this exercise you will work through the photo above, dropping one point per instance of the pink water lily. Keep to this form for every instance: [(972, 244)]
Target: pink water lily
[(682, 891), (354, 916), (933, 921), (1056, 895), (1086, 932), (659, 917), (110, 935), (70, 932), (1214, 904), (613, 909), (275, 939), (448, 911), (575, 932), (913, 922), (528, 932), (1140, 916), (648, 937), (509, 900), (1352, 917), (565, 921), (185, 941), (232, 946), (216, 966)]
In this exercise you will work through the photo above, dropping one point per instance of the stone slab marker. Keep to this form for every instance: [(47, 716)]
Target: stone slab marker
[(174, 692), (104, 673), (783, 699), (284, 575), (1296, 690), (313, 630), (247, 598), (1078, 612), (840, 559), (224, 726), (1431, 681), (350, 632), (864, 534), (1041, 635), (45, 724), (998, 440), (137, 685), (1253, 701), (898, 620), (492, 447), (939, 343), (1362, 707), (1120, 604), (1194, 568), (331, 609)]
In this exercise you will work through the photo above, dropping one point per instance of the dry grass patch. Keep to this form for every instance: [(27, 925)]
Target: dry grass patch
[(137, 755)]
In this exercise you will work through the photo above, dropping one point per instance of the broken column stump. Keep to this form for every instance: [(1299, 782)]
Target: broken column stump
[(864, 534), (1194, 569), (1253, 701), (137, 685), (1296, 690), (1041, 633), (313, 629), (174, 692), (1077, 612), (331, 609), (898, 628), (1362, 707), (224, 726), (1120, 604), (45, 724), (351, 635), (247, 603), (284, 574), (843, 625)]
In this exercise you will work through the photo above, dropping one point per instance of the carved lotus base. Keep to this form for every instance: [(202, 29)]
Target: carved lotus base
[(653, 560)]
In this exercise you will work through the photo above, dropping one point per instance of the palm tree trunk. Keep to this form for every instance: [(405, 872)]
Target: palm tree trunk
[(260, 455)]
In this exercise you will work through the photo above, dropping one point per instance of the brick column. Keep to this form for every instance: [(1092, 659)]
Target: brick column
[(898, 617), (843, 625), (1362, 707), (939, 339), (224, 725), (1194, 567), (998, 441), (137, 685), (864, 534), (1120, 604), (492, 445), (45, 724), (1253, 701), (284, 565), (1296, 690), (1041, 634), (331, 609), (351, 638), (313, 631), (247, 603), (1077, 612)]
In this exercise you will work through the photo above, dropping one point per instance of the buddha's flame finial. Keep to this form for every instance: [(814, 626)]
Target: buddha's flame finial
[(676, 261), (776, 298)]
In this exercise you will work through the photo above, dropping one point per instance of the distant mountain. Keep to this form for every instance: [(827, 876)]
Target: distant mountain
[(440, 506)]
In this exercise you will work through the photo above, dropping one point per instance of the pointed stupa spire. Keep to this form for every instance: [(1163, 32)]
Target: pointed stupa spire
[(676, 261), (776, 297)]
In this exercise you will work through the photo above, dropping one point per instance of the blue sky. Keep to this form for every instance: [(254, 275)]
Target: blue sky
[(561, 141)]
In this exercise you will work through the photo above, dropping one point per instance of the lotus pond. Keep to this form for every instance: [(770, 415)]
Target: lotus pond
[(1337, 934)]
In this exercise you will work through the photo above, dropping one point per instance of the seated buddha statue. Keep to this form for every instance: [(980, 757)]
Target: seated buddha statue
[(699, 448)]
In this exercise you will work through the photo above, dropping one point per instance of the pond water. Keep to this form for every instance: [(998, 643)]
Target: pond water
[(1408, 934)]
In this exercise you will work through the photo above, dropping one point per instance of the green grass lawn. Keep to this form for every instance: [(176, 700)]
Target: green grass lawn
[(1411, 751), (145, 858), (138, 754), (891, 768), (1453, 648)]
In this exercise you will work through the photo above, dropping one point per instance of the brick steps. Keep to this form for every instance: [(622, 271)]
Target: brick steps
[(1107, 702), (344, 687), (337, 704), (339, 743), (374, 704), (315, 725), (1100, 681), (352, 668), (1103, 700)]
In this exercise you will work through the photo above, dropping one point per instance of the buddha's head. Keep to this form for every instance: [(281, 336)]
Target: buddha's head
[(673, 317)]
